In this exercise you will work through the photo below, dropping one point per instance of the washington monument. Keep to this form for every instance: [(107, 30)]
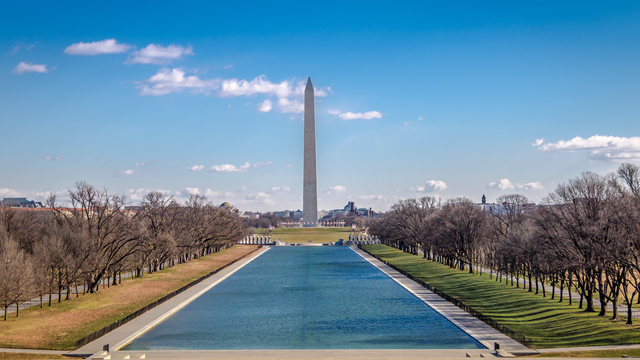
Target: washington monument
[(309, 182)]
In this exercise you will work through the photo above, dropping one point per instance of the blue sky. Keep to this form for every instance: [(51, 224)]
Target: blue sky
[(454, 99)]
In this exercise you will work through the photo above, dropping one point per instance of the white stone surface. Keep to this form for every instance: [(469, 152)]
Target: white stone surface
[(310, 184)]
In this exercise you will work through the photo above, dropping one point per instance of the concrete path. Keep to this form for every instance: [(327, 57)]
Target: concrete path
[(126, 333), (480, 331)]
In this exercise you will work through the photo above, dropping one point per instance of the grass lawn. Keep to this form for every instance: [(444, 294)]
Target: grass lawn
[(21, 356), (547, 322), (62, 324), (592, 354), (303, 235)]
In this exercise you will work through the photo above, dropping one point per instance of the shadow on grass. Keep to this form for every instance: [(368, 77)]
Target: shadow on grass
[(549, 323)]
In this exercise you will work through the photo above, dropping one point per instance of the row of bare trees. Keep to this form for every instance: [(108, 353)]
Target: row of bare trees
[(584, 237), (96, 239)]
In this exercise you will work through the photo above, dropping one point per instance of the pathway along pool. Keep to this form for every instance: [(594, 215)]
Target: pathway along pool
[(306, 298)]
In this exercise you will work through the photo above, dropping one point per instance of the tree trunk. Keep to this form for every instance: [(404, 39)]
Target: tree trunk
[(614, 302)]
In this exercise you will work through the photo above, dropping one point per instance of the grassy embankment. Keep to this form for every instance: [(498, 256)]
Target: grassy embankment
[(303, 235), (547, 322), (62, 324), (21, 356)]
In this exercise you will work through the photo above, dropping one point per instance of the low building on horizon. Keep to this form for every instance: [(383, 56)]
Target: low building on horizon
[(20, 203)]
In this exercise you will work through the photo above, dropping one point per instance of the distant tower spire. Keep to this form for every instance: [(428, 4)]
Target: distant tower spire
[(484, 199)]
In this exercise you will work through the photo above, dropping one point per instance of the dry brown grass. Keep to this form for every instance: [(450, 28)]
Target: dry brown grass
[(61, 325), (22, 356)]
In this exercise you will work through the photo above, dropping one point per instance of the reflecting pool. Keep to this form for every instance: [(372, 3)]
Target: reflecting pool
[(306, 298)]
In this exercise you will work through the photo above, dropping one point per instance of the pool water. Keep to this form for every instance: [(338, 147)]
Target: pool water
[(306, 298)]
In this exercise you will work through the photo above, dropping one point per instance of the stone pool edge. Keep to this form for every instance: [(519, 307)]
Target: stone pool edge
[(123, 335), (478, 330)]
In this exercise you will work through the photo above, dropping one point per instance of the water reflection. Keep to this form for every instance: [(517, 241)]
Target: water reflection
[(306, 298)]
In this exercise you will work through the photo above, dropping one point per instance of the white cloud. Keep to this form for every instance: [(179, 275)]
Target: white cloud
[(167, 81), (195, 167), (140, 193), (228, 66), (503, 184), (420, 118), (431, 185), (24, 67), (259, 85), (193, 191), (109, 46), (127, 172), (159, 55), (260, 198), (265, 106), (218, 194), (336, 189), (261, 163), (52, 158), (334, 112), (288, 165), (366, 115), (605, 148), (6, 192), (538, 142), (277, 189), (530, 186), (290, 106), (231, 168), (373, 197)]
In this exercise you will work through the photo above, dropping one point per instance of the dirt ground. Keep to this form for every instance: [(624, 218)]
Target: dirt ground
[(62, 324)]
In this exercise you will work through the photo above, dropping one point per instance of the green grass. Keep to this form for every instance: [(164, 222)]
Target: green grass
[(591, 354), (547, 322), (303, 235)]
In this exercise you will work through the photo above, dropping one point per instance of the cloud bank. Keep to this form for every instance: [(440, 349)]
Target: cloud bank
[(506, 184), (335, 189), (601, 148), (24, 67), (231, 168), (353, 116), (431, 185), (159, 55), (289, 95), (109, 46)]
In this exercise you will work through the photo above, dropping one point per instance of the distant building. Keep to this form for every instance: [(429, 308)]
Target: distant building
[(251, 215), (283, 213), (297, 214), (20, 203)]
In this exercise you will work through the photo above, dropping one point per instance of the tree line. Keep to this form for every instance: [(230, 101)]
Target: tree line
[(96, 239), (584, 236)]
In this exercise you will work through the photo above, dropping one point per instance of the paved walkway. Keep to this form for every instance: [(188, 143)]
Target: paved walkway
[(121, 336), (482, 332)]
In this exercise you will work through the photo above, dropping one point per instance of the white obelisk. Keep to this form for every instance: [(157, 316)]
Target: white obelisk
[(310, 182)]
